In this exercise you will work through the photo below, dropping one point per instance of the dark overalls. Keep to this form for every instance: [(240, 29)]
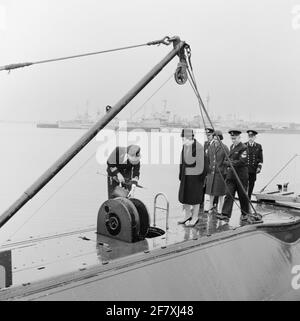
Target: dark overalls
[(238, 157), (255, 159), (118, 163)]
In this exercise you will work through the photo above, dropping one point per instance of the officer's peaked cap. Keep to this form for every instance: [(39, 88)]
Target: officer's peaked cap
[(234, 132)]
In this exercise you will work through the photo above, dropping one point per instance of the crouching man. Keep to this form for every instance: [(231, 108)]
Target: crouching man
[(123, 169)]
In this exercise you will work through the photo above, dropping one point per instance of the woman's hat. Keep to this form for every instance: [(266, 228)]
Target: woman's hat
[(187, 133), (219, 134)]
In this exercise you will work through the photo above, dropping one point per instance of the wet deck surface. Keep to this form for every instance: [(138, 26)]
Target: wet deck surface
[(39, 258)]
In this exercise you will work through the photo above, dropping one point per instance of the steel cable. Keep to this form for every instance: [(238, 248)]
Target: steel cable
[(165, 41), (226, 155)]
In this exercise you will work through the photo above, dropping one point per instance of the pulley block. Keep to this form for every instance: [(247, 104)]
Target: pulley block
[(181, 75)]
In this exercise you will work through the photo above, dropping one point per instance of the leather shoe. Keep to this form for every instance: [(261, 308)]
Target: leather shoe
[(183, 221), (192, 223), (222, 217)]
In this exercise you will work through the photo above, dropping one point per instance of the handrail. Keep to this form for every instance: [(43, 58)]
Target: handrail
[(161, 208)]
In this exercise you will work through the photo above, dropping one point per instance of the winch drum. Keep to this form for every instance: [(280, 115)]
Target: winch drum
[(123, 219)]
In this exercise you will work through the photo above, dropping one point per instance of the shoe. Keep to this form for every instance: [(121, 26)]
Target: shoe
[(222, 217), (254, 219), (183, 221), (244, 218), (210, 210), (192, 223)]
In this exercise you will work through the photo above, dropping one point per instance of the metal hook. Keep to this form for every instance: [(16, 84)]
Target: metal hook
[(166, 41)]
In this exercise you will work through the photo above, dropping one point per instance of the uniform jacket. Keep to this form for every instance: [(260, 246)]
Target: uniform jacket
[(206, 146), (239, 160), (118, 163), (255, 157), (216, 169)]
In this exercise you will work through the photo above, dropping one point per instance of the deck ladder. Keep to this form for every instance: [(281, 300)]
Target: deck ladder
[(166, 209)]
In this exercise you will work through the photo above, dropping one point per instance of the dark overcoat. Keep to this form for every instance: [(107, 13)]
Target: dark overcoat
[(215, 179), (191, 174)]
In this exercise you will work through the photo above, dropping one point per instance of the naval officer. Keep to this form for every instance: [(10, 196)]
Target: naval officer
[(255, 159), (209, 132), (238, 158)]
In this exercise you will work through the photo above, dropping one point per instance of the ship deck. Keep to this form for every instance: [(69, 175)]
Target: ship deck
[(52, 256)]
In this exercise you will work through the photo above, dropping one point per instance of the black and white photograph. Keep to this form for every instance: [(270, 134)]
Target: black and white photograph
[(150, 155)]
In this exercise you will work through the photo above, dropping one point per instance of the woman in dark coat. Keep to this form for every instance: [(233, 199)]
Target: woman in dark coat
[(191, 176), (215, 180)]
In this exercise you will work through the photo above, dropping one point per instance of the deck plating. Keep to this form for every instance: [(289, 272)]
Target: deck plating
[(62, 261)]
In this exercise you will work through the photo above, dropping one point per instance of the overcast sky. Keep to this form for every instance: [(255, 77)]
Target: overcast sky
[(245, 55)]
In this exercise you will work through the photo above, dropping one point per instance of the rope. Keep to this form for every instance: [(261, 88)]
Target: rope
[(83, 165), (126, 183), (165, 41), (219, 171), (52, 195), (296, 155), (224, 181), (204, 124), (191, 74)]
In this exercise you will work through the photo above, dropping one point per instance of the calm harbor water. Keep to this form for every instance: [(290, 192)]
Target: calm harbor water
[(72, 199)]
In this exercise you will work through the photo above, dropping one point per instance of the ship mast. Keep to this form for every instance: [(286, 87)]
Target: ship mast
[(90, 134)]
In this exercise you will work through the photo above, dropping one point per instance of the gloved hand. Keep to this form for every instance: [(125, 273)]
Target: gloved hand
[(132, 191), (121, 178), (258, 170)]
